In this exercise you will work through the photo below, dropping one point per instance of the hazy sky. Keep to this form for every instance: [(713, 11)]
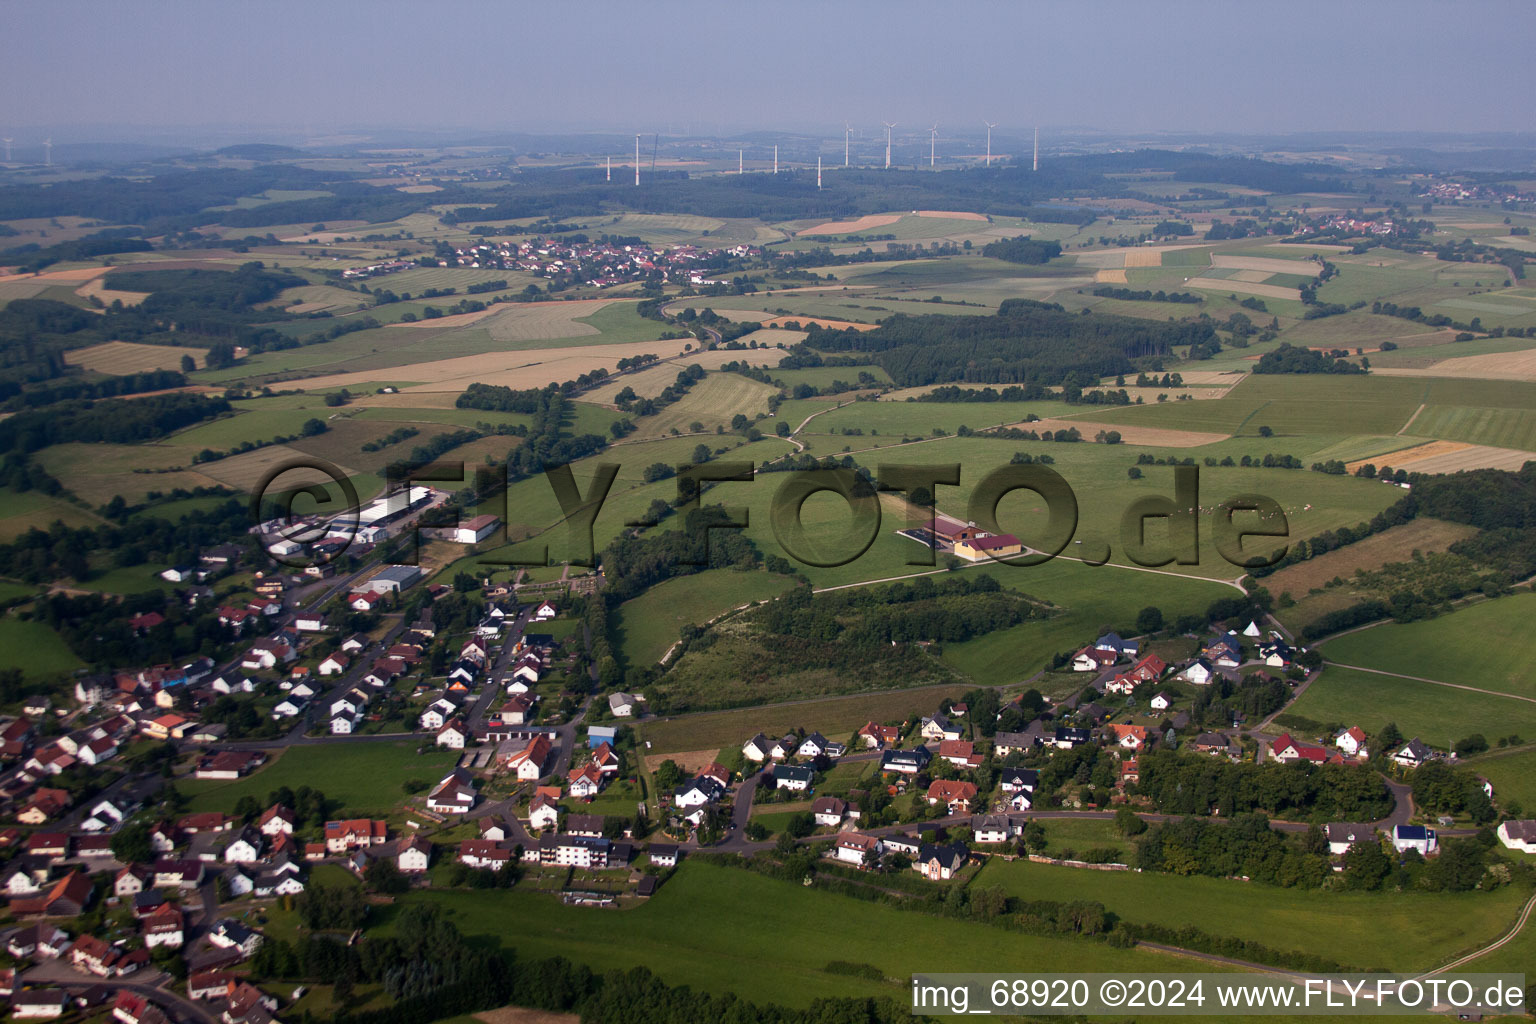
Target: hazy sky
[(1175, 65)]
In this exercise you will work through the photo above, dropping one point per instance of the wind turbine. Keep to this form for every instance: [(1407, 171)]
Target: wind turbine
[(847, 131), (888, 126), (818, 172), (933, 137), (48, 152), (775, 158), (1036, 167), (610, 168), (7, 150), (990, 125), (637, 160), (741, 161)]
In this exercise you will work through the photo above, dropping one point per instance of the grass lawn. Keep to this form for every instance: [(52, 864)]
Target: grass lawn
[(690, 934), (1395, 931), (649, 624), (1487, 645), (365, 776), (1513, 776), (35, 649), (1439, 715)]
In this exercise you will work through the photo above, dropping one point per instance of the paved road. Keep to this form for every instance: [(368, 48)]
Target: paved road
[(146, 981)]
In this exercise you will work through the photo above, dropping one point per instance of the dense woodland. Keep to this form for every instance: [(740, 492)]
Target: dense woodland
[(1026, 342)]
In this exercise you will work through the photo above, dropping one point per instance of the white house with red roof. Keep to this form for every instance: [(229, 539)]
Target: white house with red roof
[(1352, 742)]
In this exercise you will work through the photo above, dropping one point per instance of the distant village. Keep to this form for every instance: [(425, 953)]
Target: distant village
[(598, 264)]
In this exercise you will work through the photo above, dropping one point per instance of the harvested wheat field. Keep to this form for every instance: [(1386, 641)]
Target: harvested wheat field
[(531, 321), (1493, 366), (123, 357), (245, 471), (525, 1015), (690, 761), (1110, 276), (1448, 457), (1144, 258), (953, 215), (452, 320), (1159, 437), (1391, 545), (742, 316), (1251, 276), (97, 288), (1227, 284), (523, 368), (847, 227), (1265, 264)]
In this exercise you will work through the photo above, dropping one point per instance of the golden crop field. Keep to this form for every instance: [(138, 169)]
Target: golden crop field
[(122, 357)]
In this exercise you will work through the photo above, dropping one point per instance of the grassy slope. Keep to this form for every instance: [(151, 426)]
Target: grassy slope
[(1439, 715), (1390, 930), (1487, 645), (691, 933), (365, 777), (649, 624)]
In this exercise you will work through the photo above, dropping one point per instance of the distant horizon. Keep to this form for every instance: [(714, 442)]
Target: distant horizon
[(1182, 67)]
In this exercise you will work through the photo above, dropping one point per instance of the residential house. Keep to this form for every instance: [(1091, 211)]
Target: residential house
[(960, 753), (545, 611), (453, 735), (231, 934), (794, 777), (39, 1003), (756, 748), (876, 737), (1091, 659), (1117, 645), (1018, 780), (663, 855), (585, 782), (1129, 737), (438, 713), (66, 897), (1352, 742), (857, 849), (699, 791), (484, 853), (1414, 837), (1068, 736), (528, 763), (543, 813), (940, 863), (244, 848), (1413, 754), (954, 795), (1287, 749), (606, 760), (455, 794), (1518, 835), (164, 927), (1161, 701), (784, 748), (830, 811), (574, 851), (907, 762), (342, 836), (1344, 834), (1200, 672), (937, 727), (991, 828), (1006, 743), (334, 665), (814, 745), (623, 704), (415, 856), (277, 820)]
